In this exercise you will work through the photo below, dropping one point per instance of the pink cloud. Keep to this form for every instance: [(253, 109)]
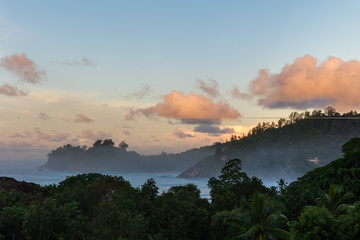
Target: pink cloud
[(80, 118), (194, 108), (25, 69), (9, 90), (305, 84), (210, 89)]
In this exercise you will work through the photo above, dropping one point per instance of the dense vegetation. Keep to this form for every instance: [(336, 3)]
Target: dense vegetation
[(286, 149), (323, 204)]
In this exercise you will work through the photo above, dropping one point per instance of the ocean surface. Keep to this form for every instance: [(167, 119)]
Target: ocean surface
[(27, 171)]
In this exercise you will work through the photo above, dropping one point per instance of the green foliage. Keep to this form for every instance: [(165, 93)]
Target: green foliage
[(263, 219), (48, 220), (182, 214), (228, 191), (334, 201), (12, 219), (349, 224), (222, 229), (315, 224)]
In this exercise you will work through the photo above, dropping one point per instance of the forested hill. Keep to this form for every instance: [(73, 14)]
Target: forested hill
[(105, 156), (286, 149)]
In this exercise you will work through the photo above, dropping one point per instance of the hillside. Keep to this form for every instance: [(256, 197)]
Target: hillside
[(344, 172), (104, 156), (287, 149)]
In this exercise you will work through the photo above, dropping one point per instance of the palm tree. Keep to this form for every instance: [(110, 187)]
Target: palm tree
[(335, 200), (263, 217), (282, 185)]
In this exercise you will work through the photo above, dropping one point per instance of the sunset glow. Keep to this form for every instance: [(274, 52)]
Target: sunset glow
[(167, 76)]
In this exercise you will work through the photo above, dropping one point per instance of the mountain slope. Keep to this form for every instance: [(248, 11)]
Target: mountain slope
[(288, 151)]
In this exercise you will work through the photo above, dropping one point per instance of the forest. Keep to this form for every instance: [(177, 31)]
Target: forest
[(322, 204)]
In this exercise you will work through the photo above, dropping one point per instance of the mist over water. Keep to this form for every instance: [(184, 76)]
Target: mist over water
[(26, 170)]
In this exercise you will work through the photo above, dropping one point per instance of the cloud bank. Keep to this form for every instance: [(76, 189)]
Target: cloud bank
[(25, 69), (307, 84), (194, 108)]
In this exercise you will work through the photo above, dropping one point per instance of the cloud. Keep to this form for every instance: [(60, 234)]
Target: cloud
[(25, 69), (307, 84), (126, 132), (193, 108), (209, 89), (80, 118), (131, 115), (9, 90), (181, 134), (26, 134), (90, 135), (56, 137), (213, 130), (43, 116), (84, 62), (145, 90), (235, 92)]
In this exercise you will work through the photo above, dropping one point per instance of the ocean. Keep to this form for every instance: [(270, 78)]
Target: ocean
[(27, 171)]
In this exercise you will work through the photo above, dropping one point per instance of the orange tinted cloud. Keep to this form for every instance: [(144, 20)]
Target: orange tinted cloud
[(305, 84), (25, 69), (9, 90), (194, 108)]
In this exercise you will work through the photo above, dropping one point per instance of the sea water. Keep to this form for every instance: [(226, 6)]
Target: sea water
[(27, 171)]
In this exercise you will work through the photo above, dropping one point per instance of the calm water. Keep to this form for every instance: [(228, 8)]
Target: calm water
[(26, 171)]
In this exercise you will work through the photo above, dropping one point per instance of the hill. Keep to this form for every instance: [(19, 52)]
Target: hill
[(344, 172), (286, 149), (105, 156)]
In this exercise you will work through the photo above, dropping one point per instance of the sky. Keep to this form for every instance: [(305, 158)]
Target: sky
[(167, 76)]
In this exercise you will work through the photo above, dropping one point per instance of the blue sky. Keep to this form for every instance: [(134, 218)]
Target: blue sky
[(106, 60)]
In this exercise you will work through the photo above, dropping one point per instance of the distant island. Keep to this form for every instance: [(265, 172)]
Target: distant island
[(288, 148)]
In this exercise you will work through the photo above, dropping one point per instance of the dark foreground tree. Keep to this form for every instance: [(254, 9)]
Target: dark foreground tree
[(263, 218)]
